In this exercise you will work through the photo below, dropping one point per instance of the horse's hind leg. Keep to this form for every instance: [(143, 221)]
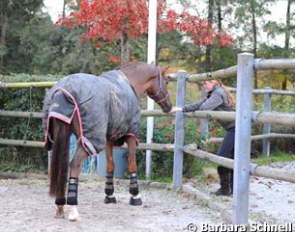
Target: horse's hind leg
[(60, 208), (60, 202), (75, 170), (109, 185), (132, 168)]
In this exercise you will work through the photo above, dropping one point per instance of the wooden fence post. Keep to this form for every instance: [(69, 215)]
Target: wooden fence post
[(266, 126), (204, 128), (242, 138), (179, 130)]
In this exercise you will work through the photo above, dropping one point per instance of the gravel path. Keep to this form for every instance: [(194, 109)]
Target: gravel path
[(271, 201), (26, 206)]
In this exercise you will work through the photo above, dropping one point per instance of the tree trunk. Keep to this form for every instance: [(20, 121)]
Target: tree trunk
[(124, 49), (287, 32), (287, 39), (209, 47), (219, 15), (254, 28), (4, 25), (64, 8)]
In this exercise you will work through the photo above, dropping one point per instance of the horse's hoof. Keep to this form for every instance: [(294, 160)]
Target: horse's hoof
[(136, 201), (109, 200), (74, 214), (59, 215), (60, 212)]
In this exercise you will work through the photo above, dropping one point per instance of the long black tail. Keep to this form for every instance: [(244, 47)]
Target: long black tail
[(60, 158)]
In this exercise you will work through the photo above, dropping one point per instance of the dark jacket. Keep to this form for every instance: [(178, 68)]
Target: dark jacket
[(215, 100)]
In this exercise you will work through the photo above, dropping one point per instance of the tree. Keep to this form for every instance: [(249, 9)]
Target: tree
[(14, 16), (246, 14), (209, 46), (107, 20), (274, 28)]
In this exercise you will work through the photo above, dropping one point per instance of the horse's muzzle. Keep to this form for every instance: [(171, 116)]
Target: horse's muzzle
[(166, 109)]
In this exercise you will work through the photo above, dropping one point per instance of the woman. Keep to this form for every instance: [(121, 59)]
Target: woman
[(218, 99)]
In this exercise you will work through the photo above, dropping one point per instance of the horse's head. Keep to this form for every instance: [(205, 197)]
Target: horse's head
[(158, 90), (150, 79)]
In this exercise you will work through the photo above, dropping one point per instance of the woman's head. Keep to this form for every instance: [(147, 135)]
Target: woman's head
[(209, 85)]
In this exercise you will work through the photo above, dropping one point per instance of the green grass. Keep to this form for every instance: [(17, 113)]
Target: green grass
[(162, 179), (11, 167), (274, 157)]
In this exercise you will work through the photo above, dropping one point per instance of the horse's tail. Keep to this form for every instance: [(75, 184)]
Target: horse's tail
[(59, 159)]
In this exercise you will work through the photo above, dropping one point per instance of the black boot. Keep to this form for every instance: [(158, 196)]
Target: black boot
[(225, 182), (232, 181)]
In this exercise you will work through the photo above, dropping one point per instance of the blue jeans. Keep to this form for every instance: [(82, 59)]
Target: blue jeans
[(227, 150), (227, 147)]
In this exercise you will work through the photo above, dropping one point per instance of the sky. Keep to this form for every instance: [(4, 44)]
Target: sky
[(54, 8)]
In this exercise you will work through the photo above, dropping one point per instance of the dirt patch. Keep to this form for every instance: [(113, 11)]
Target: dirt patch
[(271, 201), (26, 206)]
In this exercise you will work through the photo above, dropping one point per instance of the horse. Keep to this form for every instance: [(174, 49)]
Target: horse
[(102, 112)]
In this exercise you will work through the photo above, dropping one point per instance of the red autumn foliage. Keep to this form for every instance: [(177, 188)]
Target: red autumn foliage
[(108, 19), (114, 59)]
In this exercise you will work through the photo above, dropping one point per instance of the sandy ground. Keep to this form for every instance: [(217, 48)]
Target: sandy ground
[(270, 201), (26, 206)]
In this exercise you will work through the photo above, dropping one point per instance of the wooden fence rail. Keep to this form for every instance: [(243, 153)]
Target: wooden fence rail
[(259, 64), (256, 137), (16, 85), (255, 169), (257, 117), (267, 90), (20, 114), (39, 144)]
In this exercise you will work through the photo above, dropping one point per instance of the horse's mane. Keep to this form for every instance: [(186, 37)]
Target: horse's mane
[(129, 65), (149, 70)]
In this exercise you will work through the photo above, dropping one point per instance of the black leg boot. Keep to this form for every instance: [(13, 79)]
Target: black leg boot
[(225, 177), (232, 181)]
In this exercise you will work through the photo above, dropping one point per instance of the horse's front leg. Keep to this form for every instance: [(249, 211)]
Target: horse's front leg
[(75, 171), (132, 168), (109, 184)]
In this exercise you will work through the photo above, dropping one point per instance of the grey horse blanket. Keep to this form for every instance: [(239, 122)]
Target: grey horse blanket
[(107, 107)]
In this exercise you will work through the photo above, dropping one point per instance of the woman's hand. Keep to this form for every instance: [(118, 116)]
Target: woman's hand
[(175, 109)]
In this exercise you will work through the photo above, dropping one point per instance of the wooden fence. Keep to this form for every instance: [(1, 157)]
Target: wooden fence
[(243, 116)]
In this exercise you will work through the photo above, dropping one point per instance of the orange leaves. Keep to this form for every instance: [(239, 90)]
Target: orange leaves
[(199, 30), (108, 19), (170, 23), (224, 39), (114, 59)]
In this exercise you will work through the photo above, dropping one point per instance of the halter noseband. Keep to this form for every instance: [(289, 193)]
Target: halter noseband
[(155, 97)]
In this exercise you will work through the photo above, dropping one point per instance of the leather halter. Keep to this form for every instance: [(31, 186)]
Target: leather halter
[(156, 96)]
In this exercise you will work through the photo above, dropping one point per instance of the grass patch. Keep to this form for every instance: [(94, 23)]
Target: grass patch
[(199, 164), (161, 179), (274, 157), (11, 167)]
